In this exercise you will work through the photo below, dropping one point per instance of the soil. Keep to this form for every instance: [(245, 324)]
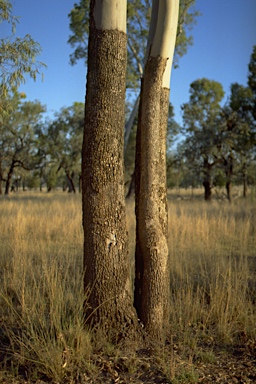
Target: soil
[(234, 366)]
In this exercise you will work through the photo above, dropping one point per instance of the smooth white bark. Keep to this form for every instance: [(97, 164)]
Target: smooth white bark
[(164, 40), (152, 29), (110, 14)]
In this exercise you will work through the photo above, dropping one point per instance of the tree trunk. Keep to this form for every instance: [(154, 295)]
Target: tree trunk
[(1, 175), (80, 183), (71, 185), (207, 190), (8, 179), (153, 241), (228, 189), (228, 163), (106, 261), (207, 183), (152, 266), (244, 182)]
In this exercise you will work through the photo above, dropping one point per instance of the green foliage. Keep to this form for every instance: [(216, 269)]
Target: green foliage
[(49, 150), (173, 129), (79, 27), (18, 143), (138, 18), (241, 99), (65, 144), (200, 117), (200, 114), (241, 128), (204, 104), (252, 78), (252, 71), (187, 19), (220, 141), (6, 14), (17, 55)]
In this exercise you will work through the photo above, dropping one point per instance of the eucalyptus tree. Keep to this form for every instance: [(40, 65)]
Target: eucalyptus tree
[(64, 147), (151, 259), (243, 129), (17, 55), (237, 130), (18, 139), (106, 261), (138, 19), (252, 78), (201, 127), (252, 86)]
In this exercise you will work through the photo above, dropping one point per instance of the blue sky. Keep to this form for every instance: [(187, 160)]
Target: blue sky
[(223, 39)]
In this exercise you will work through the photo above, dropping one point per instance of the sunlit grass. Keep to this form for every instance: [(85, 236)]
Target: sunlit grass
[(213, 291)]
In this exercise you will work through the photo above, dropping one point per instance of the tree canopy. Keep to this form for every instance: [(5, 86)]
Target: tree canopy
[(17, 54)]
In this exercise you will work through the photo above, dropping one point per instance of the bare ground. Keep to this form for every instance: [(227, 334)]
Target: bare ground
[(222, 364)]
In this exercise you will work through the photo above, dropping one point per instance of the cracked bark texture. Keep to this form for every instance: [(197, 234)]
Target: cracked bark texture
[(106, 262), (152, 272)]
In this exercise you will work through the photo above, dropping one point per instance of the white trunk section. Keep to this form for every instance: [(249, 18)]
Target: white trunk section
[(110, 14), (152, 29), (164, 40)]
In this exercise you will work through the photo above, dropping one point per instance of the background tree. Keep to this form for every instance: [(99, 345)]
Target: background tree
[(200, 119), (106, 261), (226, 148), (252, 78), (244, 134), (64, 147), (18, 136), (17, 55)]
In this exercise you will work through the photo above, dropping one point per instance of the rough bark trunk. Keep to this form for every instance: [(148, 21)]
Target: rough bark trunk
[(151, 256), (151, 229), (106, 261), (163, 204)]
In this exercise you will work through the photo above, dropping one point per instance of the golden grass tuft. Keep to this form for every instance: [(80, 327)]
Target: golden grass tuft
[(213, 289)]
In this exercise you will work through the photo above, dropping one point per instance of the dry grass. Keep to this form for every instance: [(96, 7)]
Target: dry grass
[(213, 260), (41, 284)]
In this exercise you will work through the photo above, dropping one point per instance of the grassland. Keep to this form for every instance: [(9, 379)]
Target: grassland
[(213, 292)]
